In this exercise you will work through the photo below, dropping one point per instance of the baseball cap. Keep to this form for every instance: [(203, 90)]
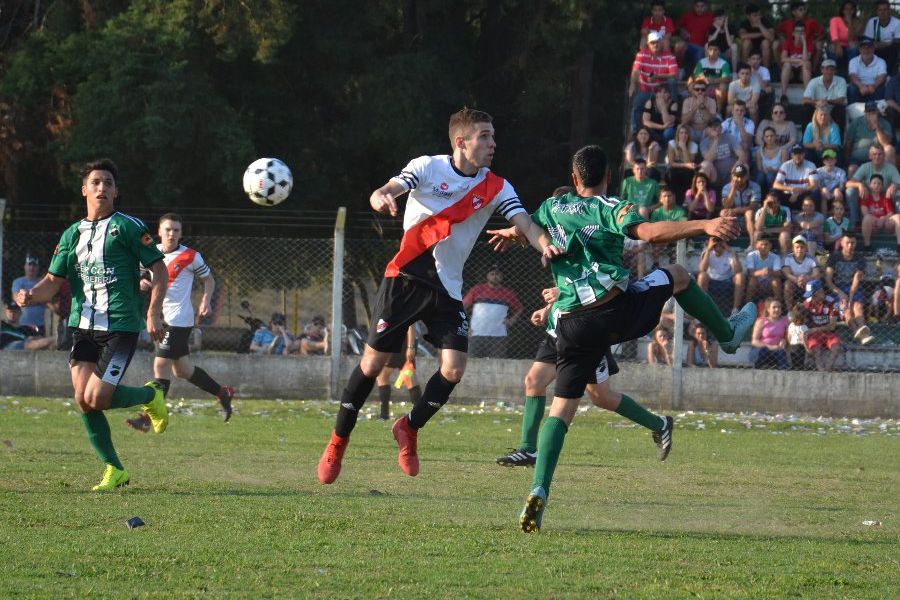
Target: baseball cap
[(32, 260), (829, 154), (871, 106), (654, 36), (12, 306), (812, 287), (828, 63), (799, 239), (797, 148), (739, 169), (866, 42)]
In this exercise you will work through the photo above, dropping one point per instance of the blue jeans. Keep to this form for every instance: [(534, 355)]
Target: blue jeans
[(853, 94), (770, 359)]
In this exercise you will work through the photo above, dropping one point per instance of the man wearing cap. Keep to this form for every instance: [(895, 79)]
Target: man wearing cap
[(32, 316), (796, 179), (867, 74), (822, 316), (798, 269), (831, 179), (495, 308), (863, 133), (829, 88), (16, 336), (720, 152), (859, 180), (652, 68), (741, 196), (273, 339)]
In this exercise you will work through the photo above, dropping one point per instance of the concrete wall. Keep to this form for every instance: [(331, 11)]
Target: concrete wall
[(811, 393)]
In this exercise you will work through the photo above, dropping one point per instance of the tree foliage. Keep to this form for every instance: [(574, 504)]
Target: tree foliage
[(183, 94)]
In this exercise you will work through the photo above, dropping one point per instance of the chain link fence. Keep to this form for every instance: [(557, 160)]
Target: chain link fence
[(261, 277)]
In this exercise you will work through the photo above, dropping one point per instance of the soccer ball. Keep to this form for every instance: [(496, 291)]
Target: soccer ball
[(268, 181)]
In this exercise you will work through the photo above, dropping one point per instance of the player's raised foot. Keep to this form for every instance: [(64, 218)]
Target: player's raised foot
[(139, 423), (112, 478), (406, 437), (530, 519), (224, 397), (864, 335), (741, 324), (156, 409), (663, 438), (330, 463), (517, 458)]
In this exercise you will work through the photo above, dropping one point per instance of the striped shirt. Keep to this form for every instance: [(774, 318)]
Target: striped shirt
[(649, 65)]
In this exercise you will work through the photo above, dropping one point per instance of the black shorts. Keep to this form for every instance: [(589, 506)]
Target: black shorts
[(396, 360), (110, 350), (174, 344), (584, 337), (402, 301), (606, 368)]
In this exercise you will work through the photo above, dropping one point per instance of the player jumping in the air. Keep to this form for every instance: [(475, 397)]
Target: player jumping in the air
[(543, 372), (172, 353), (101, 255), (599, 308), (450, 200)]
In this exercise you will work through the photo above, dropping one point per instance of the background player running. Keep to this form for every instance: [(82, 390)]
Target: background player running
[(450, 200), (597, 305), (100, 256), (398, 360), (172, 352)]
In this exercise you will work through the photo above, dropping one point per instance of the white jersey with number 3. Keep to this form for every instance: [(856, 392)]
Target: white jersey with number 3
[(183, 264)]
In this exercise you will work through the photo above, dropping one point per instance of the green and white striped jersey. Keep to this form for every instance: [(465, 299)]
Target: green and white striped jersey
[(101, 261)]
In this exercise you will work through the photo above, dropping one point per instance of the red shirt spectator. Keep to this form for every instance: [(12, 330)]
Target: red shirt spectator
[(793, 49), (648, 65), (814, 31), (665, 27), (878, 208), (697, 24)]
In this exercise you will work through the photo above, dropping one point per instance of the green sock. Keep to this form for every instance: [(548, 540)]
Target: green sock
[(700, 305), (126, 396), (100, 437), (531, 422), (550, 444), (633, 411)]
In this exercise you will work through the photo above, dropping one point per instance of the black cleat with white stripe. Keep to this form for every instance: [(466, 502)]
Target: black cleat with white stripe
[(518, 458), (663, 438)]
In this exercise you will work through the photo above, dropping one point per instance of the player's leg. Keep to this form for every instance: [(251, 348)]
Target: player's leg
[(383, 383), (729, 332), (183, 368), (537, 379)]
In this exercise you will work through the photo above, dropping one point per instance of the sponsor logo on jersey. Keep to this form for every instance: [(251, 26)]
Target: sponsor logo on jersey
[(96, 273), (444, 186), (441, 191), (381, 325), (146, 239)]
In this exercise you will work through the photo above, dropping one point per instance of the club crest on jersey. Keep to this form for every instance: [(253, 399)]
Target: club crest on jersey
[(114, 230), (477, 201), (381, 325), (146, 239)]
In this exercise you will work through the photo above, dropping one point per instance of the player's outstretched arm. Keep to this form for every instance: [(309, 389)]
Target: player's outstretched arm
[(537, 236), (384, 199), (663, 232), (42, 292), (157, 294)]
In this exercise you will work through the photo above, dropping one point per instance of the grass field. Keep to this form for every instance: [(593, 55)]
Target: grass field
[(744, 507)]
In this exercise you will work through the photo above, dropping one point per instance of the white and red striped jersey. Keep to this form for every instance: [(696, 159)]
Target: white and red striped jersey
[(445, 212), (183, 264)]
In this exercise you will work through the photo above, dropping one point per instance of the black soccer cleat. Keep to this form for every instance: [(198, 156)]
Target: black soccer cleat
[(225, 396), (518, 458), (663, 438)]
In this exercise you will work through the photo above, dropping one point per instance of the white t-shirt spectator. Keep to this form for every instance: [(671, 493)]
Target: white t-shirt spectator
[(755, 262), (743, 93), (879, 33), (816, 90), (729, 128), (867, 73), (831, 180), (792, 175), (804, 267), (720, 266), (750, 194), (761, 76)]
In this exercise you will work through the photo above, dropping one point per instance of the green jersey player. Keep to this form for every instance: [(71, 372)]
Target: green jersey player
[(100, 256), (598, 307)]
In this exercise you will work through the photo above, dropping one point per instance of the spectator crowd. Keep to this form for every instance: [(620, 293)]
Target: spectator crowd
[(788, 123)]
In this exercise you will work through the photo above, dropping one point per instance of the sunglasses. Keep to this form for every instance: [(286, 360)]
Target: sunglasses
[(699, 89)]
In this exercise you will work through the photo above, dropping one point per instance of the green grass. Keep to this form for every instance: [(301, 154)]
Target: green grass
[(744, 507)]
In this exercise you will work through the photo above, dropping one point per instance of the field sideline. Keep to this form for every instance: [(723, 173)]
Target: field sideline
[(746, 506)]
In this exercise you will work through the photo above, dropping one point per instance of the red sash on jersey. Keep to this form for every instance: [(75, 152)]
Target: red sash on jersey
[(181, 262), (425, 234)]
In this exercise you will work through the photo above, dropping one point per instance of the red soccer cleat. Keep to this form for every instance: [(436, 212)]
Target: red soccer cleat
[(330, 463), (406, 437)]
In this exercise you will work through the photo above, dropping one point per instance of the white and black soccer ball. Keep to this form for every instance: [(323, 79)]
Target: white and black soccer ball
[(268, 181)]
